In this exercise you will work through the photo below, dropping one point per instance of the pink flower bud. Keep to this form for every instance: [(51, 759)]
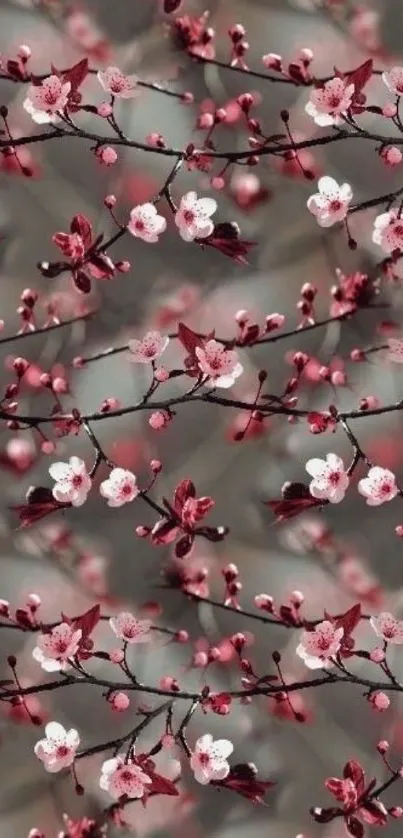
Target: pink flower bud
[(357, 355), (33, 602), (104, 110), (116, 656), (4, 608), (205, 121), (265, 602), (396, 812), (200, 659), (187, 98), (123, 266), (181, 636), (218, 183), (161, 374), (110, 201), (297, 598), (389, 110), (120, 701), (382, 746), (272, 61), (392, 156), (24, 52), (78, 362), (306, 55), (48, 447), (142, 532), (377, 655), (156, 466), (108, 156), (399, 530), (380, 701), (169, 683), (60, 385), (274, 321)]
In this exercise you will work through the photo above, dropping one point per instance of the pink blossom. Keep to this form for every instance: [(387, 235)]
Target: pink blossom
[(72, 481), (379, 486), (221, 365), (117, 83), (318, 647), (145, 223), (209, 759), (331, 203), (395, 350), (394, 80), (119, 777), (328, 103), (55, 649), (330, 479), (45, 101), (151, 347), (128, 628), (120, 487), (386, 626), (388, 231), (59, 748), (193, 217)]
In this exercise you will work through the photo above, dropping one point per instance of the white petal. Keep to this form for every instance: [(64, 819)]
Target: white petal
[(328, 186), (315, 466), (56, 731), (59, 471)]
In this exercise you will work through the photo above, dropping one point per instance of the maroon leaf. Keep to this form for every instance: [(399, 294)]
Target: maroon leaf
[(213, 534), (360, 76), (101, 266), (325, 815), (184, 490), (82, 226), (82, 282), (171, 6), (225, 238), (355, 828), (242, 779), (349, 621), (161, 785), (189, 339), (40, 502), (164, 532), (285, 509), (184, 546), (76, 74), (88, 621), (374, 813)]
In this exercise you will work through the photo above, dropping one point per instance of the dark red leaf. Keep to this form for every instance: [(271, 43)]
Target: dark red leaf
[(349, 621), (354, 827), (87, 622), (40, 502), (244, 782), (82, 226), (82, 282), (374, 813), (285, 509), (101, 266), (164, 532), (225, 238), (184, 490), (213, 534), (184, 546), (161, 785), (171, 6), (325, 815), (360, 76), (189, 339), (76, 74)]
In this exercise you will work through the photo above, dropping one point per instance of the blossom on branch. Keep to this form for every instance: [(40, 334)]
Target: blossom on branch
[(149, 348), (193, 217), (393, 79), (331, 203), (45, 101), (330, 479), (386, 626), (379, 486), (209, 759), (59, 748), (72, 481), (113, 81), (145, 223), (120, 487), (318, 648), (221, 365), (128, 628), (119, 777), (328, 103), (388, 231), (55, 649)]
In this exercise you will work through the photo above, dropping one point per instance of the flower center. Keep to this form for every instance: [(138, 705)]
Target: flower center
[(77, 481), (189, 216), (335, 205), (334, 478), (62, 751)]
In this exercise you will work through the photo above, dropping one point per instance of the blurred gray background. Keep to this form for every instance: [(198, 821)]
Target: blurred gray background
[(291, 250)]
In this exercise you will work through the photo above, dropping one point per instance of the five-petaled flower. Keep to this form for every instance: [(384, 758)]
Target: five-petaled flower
[(45, 101), (120, 487), (318, 648), (221, 365), (57, 647), (59, 748), (193, 217), (386, 626), (128, 628), (209, 759), (72, 481), (117, 83), (331, 203), (330, 479), (145, 223), (379, 486), (329, 103), (149, 348), (119, 777), (388, 231), (393, 79)]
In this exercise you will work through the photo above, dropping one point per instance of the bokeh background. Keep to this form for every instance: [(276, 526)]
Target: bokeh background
[(290, 250)]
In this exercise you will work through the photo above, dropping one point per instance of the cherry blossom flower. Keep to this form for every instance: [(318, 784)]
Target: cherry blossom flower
[(119, 777), (394, 80), (395, 350), (72, 481), (388, 231), (45, 101), (59, 748), (331, 203), (330, 479), (386, 626), (328, 103), (193, 217), (55, 648), (128, 628), (151, 347), (145, 223), (120, 487), (379, 486), (209, 759), (318, 647), (220, 364), (117, 83)]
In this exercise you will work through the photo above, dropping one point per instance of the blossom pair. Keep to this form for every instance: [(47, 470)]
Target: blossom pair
[(73, 483), (121, 776), (193, 219), (318, 648), (331, 480)]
